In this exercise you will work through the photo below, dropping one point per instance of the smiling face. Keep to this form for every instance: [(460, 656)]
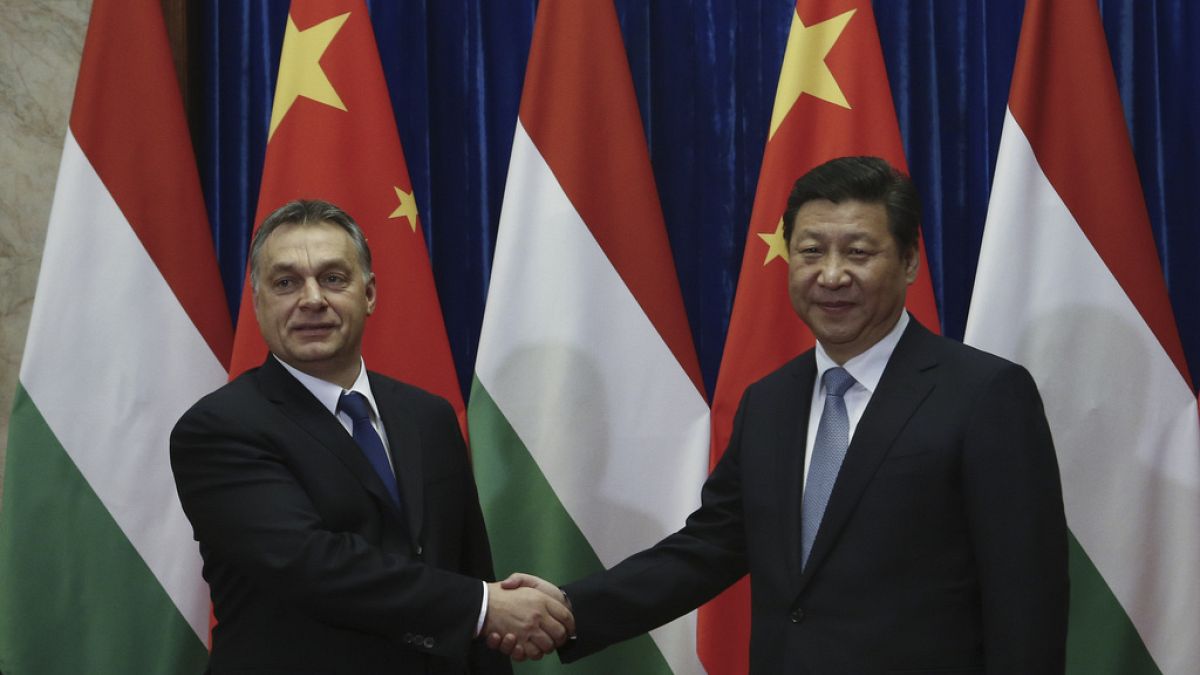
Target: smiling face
[(312, 300), (847, 276)]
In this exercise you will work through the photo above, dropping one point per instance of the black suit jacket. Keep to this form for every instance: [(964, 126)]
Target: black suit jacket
[(943, 546), (312, 568)]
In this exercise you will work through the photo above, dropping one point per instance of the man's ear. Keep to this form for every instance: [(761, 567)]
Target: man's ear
[(370, 291), (912, 262)]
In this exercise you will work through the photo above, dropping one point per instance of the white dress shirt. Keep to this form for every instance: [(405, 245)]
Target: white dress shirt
[(329, 393), (866, 369)]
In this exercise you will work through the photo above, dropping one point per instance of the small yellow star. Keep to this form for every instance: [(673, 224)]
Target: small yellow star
[(776, 246), (407, 208), (804, 70), (300, 72)]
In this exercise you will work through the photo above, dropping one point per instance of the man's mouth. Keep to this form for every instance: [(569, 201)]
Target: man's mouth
[(834, 305), (312, 329)]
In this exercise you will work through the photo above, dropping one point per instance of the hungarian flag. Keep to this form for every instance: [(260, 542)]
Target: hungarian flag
[(98, 569), (333, 136), (1069, 285), (833, 100), (588, 424)]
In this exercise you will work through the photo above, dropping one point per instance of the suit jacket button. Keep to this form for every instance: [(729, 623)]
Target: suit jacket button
[(420, 550), (797, 615), (408, 638), (428, 643)]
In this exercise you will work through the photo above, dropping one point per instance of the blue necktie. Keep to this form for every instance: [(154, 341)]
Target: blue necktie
[(355, 405), (829, 448)]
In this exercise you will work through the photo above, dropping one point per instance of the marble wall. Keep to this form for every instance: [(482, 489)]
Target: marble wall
[(40, 45)]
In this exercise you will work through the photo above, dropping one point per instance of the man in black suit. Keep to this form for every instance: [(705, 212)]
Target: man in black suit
[(335, 508), (935, 542)]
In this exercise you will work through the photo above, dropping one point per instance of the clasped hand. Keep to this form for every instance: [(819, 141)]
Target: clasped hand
[(527, 617)]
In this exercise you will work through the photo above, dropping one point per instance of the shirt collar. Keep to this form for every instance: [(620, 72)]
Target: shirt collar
[(328, 393), (867, 367)]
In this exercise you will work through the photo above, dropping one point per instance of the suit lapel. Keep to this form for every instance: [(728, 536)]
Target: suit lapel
[(404, 444), (902, 389), (299, 405), (791, 466)]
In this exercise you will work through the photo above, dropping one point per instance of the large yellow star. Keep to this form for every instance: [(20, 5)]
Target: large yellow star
[(804, 70), (776, 246), (300, 72), (407, 208)]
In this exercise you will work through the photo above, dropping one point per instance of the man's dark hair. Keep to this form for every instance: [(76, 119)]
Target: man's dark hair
[(866, 179), (301, 212)]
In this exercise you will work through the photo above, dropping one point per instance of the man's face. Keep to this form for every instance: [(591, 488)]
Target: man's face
[(846, 274), (312, 301)]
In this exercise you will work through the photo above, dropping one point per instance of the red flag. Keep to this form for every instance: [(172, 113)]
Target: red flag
[(833, 100), (333, 137)]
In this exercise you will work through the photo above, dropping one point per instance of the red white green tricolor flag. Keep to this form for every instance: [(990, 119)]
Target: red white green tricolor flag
[(588, 426), (98, 569), (833, 100), (1069, 284)]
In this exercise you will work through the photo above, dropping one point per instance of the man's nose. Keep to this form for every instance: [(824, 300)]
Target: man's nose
[(311, 296), (833, 272)]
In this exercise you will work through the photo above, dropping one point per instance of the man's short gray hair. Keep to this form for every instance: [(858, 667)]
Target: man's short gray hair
[(302, 212)]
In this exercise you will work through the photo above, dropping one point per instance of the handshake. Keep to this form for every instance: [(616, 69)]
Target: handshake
[(527, 617)]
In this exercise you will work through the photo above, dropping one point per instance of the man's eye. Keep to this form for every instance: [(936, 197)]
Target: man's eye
[(283, 283), (334, 279)]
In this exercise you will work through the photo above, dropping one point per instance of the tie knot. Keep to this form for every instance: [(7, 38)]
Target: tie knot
[(837, 381), (355, 405)]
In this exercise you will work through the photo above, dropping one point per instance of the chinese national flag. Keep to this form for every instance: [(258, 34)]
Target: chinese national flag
[(833, 100), (333, 137)]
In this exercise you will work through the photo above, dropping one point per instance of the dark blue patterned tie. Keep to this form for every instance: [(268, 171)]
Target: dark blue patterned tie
[(355, 405), (829, 448)]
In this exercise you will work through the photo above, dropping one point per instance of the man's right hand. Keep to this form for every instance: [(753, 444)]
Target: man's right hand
[(520, 579), (525, 623)]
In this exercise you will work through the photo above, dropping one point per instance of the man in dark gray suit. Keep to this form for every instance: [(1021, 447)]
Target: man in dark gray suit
[(335, 508), (894, 495)]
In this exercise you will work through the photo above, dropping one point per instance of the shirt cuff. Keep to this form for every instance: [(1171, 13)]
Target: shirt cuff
[(482, 610)]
